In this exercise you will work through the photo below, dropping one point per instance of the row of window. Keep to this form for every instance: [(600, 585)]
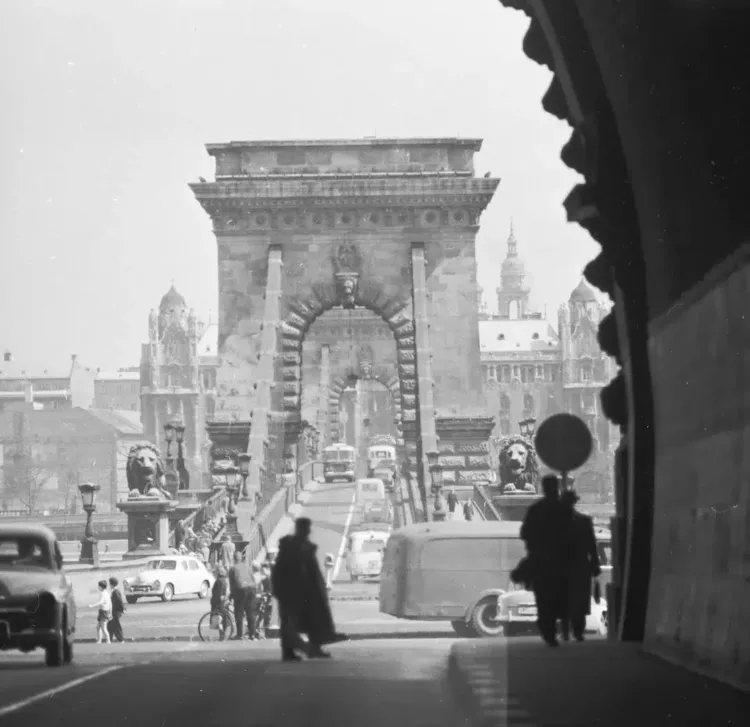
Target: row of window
[(526, 373)]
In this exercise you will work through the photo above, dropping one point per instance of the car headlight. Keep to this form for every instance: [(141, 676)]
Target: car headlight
[(156, 585)]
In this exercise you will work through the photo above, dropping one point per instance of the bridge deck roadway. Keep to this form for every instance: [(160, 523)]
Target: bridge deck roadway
[(355, 605)]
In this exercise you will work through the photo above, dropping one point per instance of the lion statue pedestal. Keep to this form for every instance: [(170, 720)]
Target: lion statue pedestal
[(149, 505), (148, 526)]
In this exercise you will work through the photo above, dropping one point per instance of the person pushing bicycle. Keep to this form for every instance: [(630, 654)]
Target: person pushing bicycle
[(220, 598)]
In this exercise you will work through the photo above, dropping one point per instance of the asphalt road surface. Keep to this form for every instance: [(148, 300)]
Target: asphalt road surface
[(370, 684)]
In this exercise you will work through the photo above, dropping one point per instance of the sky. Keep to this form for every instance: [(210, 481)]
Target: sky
[(108, 107)]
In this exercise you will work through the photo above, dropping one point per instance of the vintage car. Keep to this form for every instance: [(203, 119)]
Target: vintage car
[(378, 511), (516, 614), (364, 552), (168, 576), (37, 608)]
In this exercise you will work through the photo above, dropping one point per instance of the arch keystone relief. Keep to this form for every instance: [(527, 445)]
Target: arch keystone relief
[(370, 241)]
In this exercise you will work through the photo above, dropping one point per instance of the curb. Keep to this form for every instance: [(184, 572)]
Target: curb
[(353, 598)]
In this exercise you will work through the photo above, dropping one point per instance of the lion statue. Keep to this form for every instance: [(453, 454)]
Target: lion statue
[(145, 472), (519, 468)]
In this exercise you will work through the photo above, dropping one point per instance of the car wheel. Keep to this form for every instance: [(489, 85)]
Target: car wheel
[(54, 651), (205, 590), (463, 629), (168, 593), (483, 619), (131, 599)]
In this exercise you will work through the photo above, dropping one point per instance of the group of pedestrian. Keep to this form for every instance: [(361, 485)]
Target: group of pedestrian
[(111, 608), (248, 587), (562, 562)]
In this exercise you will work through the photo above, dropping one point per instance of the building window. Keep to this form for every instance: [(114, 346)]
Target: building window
[(528, 404), (505, 426), (504, 405), (506, 374), (586, 371)]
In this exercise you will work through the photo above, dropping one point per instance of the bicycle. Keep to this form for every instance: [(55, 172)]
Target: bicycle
[(206, 633)]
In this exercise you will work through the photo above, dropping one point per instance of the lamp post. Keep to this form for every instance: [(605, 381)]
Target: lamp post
[(244, 460), (89, 547), (230, 477), (174, 429), (432, 464), (527, 427)]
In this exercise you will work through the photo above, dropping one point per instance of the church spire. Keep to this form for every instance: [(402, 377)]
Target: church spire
[(512, 244)]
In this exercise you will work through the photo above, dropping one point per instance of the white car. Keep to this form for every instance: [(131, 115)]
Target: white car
[(517, 614), (168, 576)]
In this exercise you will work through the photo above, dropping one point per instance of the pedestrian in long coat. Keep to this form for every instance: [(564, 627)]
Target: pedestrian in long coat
[(544, 530), (299, 587), (583, 567)]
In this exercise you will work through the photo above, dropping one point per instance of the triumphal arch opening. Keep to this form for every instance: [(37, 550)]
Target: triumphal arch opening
[(386, 225)]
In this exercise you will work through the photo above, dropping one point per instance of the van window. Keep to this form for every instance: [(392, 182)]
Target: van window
[(373, 546), (472, 554), (604, 547)]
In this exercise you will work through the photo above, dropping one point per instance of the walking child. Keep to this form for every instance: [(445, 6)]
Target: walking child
[(104, 604)]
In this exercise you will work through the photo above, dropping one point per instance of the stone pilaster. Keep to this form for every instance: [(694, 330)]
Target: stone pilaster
[(464, 449)]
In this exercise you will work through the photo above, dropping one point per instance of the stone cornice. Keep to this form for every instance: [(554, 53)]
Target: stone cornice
[(387, 190), (474, 144)]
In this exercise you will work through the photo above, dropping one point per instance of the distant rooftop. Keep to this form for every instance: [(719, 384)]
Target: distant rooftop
[(125, 422), (118, 376), (505, 336)]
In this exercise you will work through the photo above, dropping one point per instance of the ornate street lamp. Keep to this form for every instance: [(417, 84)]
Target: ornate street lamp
[(244, 460), (527, 427), (169, 435), (89, 547), (174, 429), (432, 459), (230, 475)]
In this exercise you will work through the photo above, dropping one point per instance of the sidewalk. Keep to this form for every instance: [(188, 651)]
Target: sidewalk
[(600, 683)]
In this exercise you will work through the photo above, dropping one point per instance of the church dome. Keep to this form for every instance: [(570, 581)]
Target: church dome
[(172, 300), (583, 293)]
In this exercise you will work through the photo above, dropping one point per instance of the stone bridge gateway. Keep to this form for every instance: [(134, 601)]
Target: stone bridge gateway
[(303, 227)]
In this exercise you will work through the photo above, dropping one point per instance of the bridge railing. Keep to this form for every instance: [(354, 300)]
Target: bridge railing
[(277, 507), (207, 510), (483, 503), (308, 471)]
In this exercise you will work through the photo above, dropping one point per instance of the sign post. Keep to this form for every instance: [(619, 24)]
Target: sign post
[(563, 442)]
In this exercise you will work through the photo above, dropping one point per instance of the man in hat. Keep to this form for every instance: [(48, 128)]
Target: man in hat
[(583, 566), (545, 532), (226, 554), (299, 587)]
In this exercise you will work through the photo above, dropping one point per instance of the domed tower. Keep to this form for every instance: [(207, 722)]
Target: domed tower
[(173, 311), (513, 293), (582, 301)]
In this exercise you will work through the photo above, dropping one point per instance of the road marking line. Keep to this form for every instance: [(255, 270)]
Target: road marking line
[(55, 691), (342, 547)]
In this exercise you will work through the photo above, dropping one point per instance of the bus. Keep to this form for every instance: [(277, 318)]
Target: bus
[(339, 462)]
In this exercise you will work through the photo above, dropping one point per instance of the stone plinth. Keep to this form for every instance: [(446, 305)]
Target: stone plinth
[(514, 507), (464, 449), (148, 525)]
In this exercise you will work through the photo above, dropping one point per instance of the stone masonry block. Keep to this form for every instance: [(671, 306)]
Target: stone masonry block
[(407, 371), (407, 355), (405, 343), (452, 462), (478, 463), (409, 385)]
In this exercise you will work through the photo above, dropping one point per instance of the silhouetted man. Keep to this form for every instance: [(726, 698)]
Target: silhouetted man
[(242, 587), (545, 534), (299, 587), (583, 566)]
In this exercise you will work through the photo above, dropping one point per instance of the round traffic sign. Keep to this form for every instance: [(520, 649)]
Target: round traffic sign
[(563, 442)]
